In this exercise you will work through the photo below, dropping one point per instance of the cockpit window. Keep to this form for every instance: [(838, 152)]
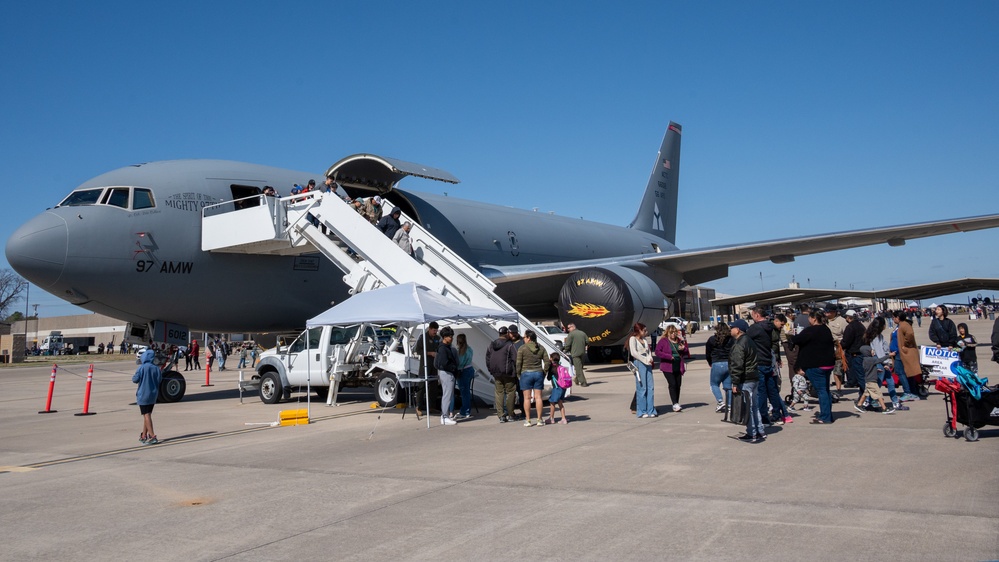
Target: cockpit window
[(117, 197), (82, 197), (142, 199)]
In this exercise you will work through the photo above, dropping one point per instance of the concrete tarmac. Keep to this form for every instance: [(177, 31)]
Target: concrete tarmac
[(364, 484)]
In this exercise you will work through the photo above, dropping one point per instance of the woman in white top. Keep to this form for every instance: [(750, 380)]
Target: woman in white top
[(641, 358)]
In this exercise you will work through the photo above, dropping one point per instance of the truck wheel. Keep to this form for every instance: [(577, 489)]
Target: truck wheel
[(271, 390), (172, 387), (387, 390)]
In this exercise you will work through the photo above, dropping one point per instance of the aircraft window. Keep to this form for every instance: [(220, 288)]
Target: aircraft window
[(82, 197), (142, 199), (117, 197)]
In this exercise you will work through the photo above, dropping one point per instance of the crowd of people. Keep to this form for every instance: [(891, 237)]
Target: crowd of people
[(519, 367), (369, 207), (825, 352)]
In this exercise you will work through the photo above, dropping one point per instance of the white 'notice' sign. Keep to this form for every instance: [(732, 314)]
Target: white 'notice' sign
[(940, 359)]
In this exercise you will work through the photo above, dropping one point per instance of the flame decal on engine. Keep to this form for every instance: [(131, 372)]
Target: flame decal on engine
[(587, 310)]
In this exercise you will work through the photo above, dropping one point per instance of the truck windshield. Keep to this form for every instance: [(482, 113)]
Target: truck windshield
[(312, 338)]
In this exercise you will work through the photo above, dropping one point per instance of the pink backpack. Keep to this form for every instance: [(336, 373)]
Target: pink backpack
[(564, 377)]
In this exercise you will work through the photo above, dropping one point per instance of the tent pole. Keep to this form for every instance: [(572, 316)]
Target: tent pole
[(426, 374)]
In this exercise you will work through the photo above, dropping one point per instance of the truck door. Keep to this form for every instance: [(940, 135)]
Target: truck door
[(305, 356)]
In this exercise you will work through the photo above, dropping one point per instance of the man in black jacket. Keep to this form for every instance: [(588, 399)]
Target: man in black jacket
[(742, 365), (501, 360), (995, 341), (853, 338), (446, 362), (389, 224), (761, 332)]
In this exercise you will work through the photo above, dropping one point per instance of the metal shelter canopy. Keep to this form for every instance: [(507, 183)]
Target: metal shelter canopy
[(917, 292), (381, 172)]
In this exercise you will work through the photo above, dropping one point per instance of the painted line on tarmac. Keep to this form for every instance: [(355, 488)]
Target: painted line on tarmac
[(168, 442)]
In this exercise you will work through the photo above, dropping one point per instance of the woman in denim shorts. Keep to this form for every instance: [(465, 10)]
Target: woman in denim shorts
[(532, 363)]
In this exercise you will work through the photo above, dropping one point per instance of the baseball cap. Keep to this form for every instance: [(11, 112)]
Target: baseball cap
[(740, 323), (830, 307), (503, 331), (851, 313), (514, 329)]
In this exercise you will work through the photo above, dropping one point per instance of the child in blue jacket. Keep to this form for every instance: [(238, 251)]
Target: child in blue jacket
[(148, 377)]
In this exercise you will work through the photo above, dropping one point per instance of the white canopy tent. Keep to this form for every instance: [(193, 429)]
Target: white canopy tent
[(407, 305)]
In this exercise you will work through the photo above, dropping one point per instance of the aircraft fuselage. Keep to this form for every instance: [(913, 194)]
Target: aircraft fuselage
[(143, 264)]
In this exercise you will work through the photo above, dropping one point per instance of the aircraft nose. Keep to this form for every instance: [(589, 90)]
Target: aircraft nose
[(37, 250)]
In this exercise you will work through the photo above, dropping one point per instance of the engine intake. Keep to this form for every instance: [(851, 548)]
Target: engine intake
[(606, 302)]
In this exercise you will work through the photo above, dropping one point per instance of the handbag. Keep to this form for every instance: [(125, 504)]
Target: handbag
[(627, 361)]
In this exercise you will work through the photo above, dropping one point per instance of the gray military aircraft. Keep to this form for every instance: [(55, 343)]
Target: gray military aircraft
[(127, 244)]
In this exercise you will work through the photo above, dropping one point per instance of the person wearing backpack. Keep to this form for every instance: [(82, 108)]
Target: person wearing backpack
[(561, 379), (501, 359)]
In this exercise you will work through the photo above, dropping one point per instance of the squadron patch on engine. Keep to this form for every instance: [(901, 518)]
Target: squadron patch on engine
[(587, 310)]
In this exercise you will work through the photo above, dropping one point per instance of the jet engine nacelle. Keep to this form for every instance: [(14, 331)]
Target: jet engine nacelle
[(606, 302)]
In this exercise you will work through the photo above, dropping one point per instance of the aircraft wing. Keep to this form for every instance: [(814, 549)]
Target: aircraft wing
[(705, 264)]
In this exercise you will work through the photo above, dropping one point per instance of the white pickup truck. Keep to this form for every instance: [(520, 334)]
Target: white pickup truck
[(359, 356)]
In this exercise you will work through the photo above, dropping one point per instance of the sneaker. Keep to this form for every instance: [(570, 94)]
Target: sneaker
[(720, 407), (563, 421), (787, 419), (677, 408), (909, 397), (152, 441), (858, 408), (539, 423), (747, 438), (447, 421), (503, 419), (142, 439), (653, 414), (528, 423), (901, 407), (889, 410), (806, 409), (761, 438), (779, 421), (464, 416)]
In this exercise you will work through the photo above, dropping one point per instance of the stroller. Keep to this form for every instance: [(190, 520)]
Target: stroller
[(963, 406)]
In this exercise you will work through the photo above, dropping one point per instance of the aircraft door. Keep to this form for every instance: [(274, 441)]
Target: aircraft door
[(304, 356)]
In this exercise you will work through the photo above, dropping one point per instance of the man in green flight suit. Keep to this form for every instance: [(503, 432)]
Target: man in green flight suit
[(575, 347)]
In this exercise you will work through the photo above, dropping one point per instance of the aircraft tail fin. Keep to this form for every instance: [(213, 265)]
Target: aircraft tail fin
[(657, 213)]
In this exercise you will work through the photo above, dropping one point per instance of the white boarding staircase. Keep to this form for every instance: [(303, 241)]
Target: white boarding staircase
[(320, 222)]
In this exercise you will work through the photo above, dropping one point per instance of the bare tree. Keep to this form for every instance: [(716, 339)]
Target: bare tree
[(12, 286)]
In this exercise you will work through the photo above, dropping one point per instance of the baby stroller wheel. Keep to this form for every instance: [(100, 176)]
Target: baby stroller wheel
[(787, 400), (923, 391), (971, 434), (949, 431)]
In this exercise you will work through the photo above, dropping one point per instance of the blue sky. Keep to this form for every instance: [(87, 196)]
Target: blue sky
[(798, 117)]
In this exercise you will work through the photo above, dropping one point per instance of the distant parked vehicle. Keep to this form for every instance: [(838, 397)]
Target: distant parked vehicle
[(685, 326), (556, 334)]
